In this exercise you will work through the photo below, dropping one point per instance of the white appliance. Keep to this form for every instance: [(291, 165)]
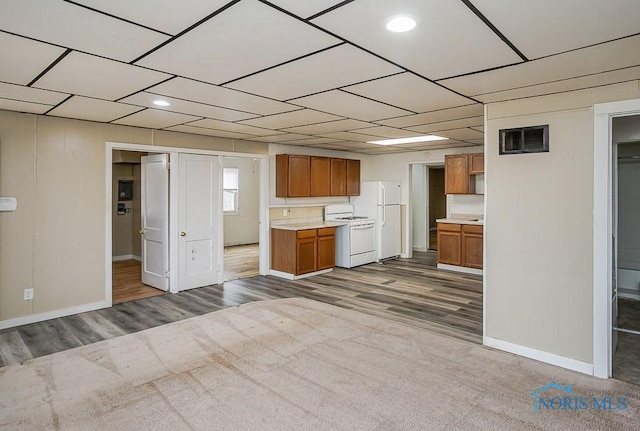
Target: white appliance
[(381, 200), (356, 240)]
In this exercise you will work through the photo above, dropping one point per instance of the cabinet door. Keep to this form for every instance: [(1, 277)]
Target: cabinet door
[(476, 163), (456, 174), (449, 247), (326, 252), (472, 248), (320, 176), (338, 177), (299, 176), (353, 177), (306, 255)]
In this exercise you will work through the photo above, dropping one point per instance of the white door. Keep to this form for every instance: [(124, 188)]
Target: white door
[(155, 220), (614, 251), (199, 209), (388, 244)]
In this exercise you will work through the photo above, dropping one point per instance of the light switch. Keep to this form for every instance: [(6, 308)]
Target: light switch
[(8, 204)]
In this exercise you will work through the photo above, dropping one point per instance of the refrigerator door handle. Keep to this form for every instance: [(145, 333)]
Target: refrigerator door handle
[(384, 195), (384, 218)]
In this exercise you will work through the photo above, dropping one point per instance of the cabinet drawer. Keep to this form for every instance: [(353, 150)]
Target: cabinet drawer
[(325, 231), (451, 227), (307, 233), (472, 228)]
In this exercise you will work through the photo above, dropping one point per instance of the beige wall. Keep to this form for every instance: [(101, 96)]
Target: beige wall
[(538, 227), (55, 241), (243, 228)]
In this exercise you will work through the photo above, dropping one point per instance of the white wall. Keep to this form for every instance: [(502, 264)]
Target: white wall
[(419, 207), (539, 227), (243, 227)]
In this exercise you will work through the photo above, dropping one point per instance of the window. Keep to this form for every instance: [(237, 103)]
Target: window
[(524, 140), (230, 190)]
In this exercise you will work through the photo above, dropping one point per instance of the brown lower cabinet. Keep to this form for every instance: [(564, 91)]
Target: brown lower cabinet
[(460, 244), (302, 251)]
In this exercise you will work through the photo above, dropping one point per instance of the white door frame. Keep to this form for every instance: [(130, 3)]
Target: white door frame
[(173, 209), (602, 228)]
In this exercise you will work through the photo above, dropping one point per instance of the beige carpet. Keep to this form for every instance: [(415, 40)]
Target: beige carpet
[(294, 364)]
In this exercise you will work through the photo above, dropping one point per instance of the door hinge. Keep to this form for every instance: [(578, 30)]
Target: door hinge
[(168, 274)]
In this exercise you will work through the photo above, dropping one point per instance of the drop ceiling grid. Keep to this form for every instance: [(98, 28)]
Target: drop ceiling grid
[(306, 8), (291, 119), (155, 119), (186, 128), (567, 25), (458, 112), (233, 127), (247, 28), (329, 126), (18, 68), (65, 24), (85, 108), (28, 94), (88, 75), (21, 106), (309, 75)]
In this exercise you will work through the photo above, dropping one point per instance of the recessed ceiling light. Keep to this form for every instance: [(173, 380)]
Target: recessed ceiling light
[(413, 139), (400, 24), (161, 103)]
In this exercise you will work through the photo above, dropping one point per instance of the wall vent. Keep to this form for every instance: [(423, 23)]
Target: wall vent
[(534, 139)]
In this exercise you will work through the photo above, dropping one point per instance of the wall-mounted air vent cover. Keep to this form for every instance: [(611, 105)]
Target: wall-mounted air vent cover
[(533, 139)]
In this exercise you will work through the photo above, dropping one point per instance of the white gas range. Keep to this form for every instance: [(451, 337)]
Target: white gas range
[(355, 241)]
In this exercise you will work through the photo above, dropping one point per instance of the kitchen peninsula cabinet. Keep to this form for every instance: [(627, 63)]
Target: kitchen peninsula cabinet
[(460, 244), (303, 251), (449, 242), (314, 176)]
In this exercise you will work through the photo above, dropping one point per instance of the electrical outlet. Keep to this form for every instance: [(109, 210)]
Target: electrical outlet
[(28, 294), (285, 212)]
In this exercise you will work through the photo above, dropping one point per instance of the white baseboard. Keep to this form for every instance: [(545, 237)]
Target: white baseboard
[(420, 249), (126, 257), (33, 318), (288, 276), (460, 269), (539, 355)]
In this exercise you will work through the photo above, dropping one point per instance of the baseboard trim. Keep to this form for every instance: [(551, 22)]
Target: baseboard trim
[(420, 249), (126, 257), (539, 355), (25, 320), (457, 268)]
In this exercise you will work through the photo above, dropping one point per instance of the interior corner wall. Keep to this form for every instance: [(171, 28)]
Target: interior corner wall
[(539, 225), (243, 227), (55, 241)]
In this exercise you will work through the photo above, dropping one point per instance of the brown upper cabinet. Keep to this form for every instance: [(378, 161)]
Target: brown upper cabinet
[(320, 176), (459, 170), (305, 176), (338, 177), (353, 177)]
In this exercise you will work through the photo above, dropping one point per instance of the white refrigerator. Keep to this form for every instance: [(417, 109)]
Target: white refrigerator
[(381, 200)]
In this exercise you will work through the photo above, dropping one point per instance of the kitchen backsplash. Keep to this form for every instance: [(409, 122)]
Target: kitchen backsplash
[(465, 204)]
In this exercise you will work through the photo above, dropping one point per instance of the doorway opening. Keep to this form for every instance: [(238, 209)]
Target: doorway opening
[(241, 209), (126, 217), (428, 204)]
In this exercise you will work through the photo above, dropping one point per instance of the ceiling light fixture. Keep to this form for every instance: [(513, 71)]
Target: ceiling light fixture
[(161, 103), (414, 139), (401, 24)]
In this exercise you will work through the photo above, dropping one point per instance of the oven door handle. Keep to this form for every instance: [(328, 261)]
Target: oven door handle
[(369, 226)]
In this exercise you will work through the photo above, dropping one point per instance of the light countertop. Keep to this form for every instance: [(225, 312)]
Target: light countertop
[(302, 224), (477, 219)]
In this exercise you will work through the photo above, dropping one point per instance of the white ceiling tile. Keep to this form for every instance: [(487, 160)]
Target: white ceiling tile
[(352, 136), (306, 8), (283, 139), (186, 107), (92, 76), (589, 81), (349, 105), (84, 108), (63, 23), (155, 119), (165, 15), (436, 116), (464, 134), (28, 94), (20, 106), (449, 125), (330, 126), (315, 141), (410, 92), (221, 96), (291, 119), (545, 27), (601, 58), (386, 132), (24, 59), (185, 128), (234, 127), (309, 75), (448, 40), (247, 37)]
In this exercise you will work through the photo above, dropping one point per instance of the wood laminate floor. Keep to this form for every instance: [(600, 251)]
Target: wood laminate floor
[(126, 283), (241, 261), (412, 291), (626, 360)]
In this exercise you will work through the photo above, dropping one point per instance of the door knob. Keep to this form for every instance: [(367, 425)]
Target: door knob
[(183, 234), (141, 231)]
